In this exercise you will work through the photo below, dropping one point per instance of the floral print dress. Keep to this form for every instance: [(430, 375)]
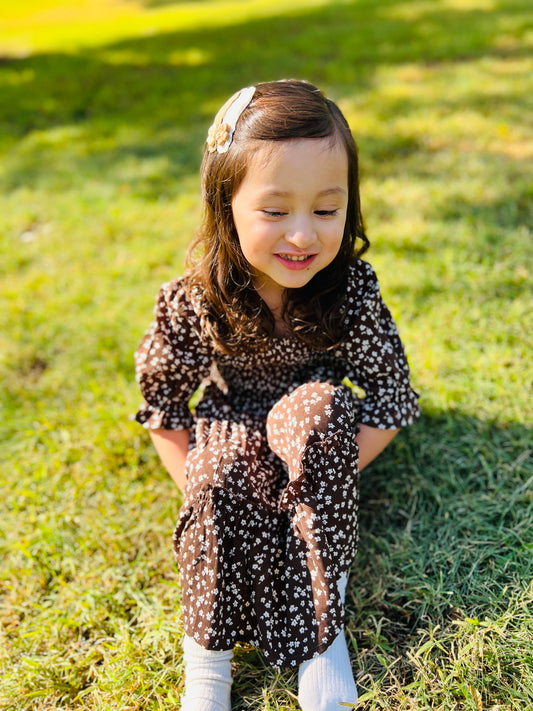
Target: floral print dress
[(269, 521)]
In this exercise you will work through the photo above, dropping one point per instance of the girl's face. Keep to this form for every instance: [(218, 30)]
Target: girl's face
[(290, 211)]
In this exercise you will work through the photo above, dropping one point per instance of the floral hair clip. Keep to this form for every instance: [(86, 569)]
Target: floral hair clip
[(220, 134)]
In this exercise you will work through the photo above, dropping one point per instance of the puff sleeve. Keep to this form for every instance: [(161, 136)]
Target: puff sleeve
[(171, 361), (375, 356)]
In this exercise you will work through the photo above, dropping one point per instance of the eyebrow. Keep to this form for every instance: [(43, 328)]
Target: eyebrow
[(337, 190)]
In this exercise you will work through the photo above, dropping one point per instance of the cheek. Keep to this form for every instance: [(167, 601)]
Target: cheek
[(249, 240), (255, 237), (335, 235)]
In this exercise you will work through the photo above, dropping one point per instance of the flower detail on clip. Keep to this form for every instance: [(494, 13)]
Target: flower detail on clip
[(217, 136), (220, 134)]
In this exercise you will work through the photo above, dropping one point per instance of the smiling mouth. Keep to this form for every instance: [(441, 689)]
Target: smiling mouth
[(296, 258), (296, 262)]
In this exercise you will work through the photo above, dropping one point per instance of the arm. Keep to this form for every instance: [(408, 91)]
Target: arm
[(172, 447), (372, 441), (170, 363)]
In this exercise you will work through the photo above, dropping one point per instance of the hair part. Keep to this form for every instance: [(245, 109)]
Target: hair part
[(234, 316)]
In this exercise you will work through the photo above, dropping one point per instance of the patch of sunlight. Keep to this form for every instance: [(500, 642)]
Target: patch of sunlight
[(467, 108), (468, 5), (517, 150), (470, 132), (14, 78), (508, 43), (54, 11), (179, 58), (400, 196), (189, 58), (132, 168), (69, 26), (125, 56), (410, 11), (515, 66), (52, 137)]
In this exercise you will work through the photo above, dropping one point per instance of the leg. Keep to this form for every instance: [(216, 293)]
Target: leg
[(326, 681), (212, 538), (313, 431), (226, 538), (207, 678)]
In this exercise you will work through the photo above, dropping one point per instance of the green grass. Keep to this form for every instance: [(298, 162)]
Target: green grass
[(103, 111)]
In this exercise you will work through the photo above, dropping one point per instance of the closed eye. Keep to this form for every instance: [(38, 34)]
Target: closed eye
[(274, 213), (326, 213)]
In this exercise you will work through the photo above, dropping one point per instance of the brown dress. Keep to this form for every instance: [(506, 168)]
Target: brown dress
[(269, 521)]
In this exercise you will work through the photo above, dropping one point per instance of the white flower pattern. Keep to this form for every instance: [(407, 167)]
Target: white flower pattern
[(269, 521)]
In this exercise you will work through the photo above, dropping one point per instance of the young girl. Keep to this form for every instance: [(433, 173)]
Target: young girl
[(275, 310)]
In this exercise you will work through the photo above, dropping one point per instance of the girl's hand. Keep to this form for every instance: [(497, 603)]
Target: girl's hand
[(372, 441)]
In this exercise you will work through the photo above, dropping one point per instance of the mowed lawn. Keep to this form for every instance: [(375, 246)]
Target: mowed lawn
[(104, 106)]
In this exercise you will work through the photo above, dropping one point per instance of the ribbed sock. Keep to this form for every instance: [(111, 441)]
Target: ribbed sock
[(327, 680), (207, 678)]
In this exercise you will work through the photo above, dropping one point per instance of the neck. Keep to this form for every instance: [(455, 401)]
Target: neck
[(272, 296)]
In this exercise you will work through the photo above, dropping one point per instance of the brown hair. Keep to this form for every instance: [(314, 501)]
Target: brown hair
[(235, 318)]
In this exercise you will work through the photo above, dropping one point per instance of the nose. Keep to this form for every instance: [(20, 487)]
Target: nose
[(301, 232)]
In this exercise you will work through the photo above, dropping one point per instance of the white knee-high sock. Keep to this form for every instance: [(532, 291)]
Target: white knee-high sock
[(327, 680), (207, 678)]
